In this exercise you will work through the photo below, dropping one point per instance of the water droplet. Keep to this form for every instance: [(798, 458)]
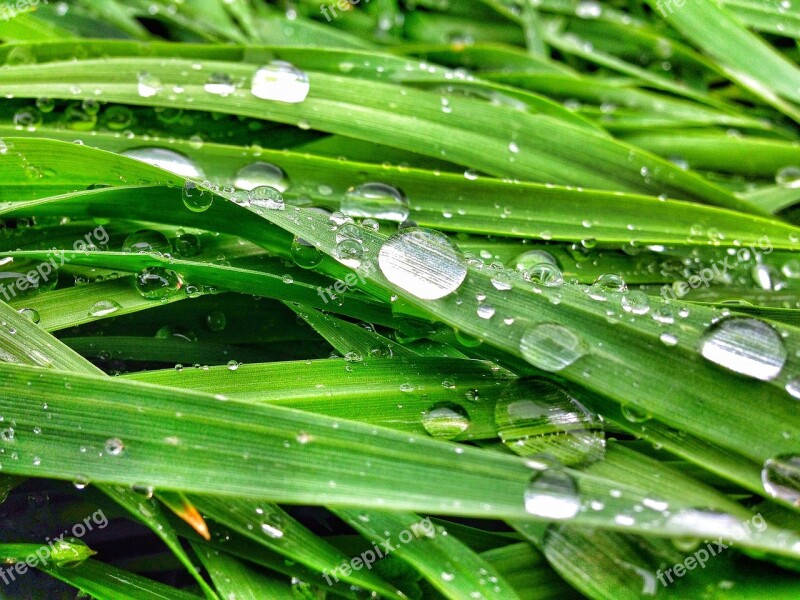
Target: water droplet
[(545, 274), (788, 177), (527, 260), (552, 494), (220, 84), (101, 308), (271, 531), (149, 85), (781, 478), (166, 159), (746, 346), (7, 435), (216, 321), (114, 446), (634, 415), (146, 240), (195, 198), (607, 285), (793, 387), (157, 283), (187, 245), (446, 420), (31, 314), (636, 302), (280, 81), (261, 173), (422, 262), (349, 252), (265, 197), (305, 254), (233, 365), (551, 347), (535, 416), (588, 9), (377, 201)]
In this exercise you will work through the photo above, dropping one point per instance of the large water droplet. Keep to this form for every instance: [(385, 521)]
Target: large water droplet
[(781, 478), (746, 346), (261, 173), (422, 262), (280, 81), (446, 420), (552, 494), (551, 347), (167, 160), (377, 201), (157, 283), (536, 416)]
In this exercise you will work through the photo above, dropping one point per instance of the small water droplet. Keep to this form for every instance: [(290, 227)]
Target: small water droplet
[(780, 477), (220, 84), (148, 85), (101, 308), (788, 177), (114, 446), (305, 254), (146, 240)]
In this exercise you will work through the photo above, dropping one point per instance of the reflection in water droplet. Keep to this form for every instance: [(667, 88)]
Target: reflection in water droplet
[(446, 420), (261, 173), (167, 160), (31, 314), (536, 416), (422, 262), (788, 177), (551, 347), (349, 252), (280, 81), (780, 477), (377, 201), (552, 494), (532, 258), (746, 346)]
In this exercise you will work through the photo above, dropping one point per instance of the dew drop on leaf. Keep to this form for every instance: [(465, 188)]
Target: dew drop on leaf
[(780, 477), (552, 494), (422, 262), (551, 347), (166, 159), (261, 173), (377, 201), (280, 81), (746, 346), (446, 420), (101, 308)]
